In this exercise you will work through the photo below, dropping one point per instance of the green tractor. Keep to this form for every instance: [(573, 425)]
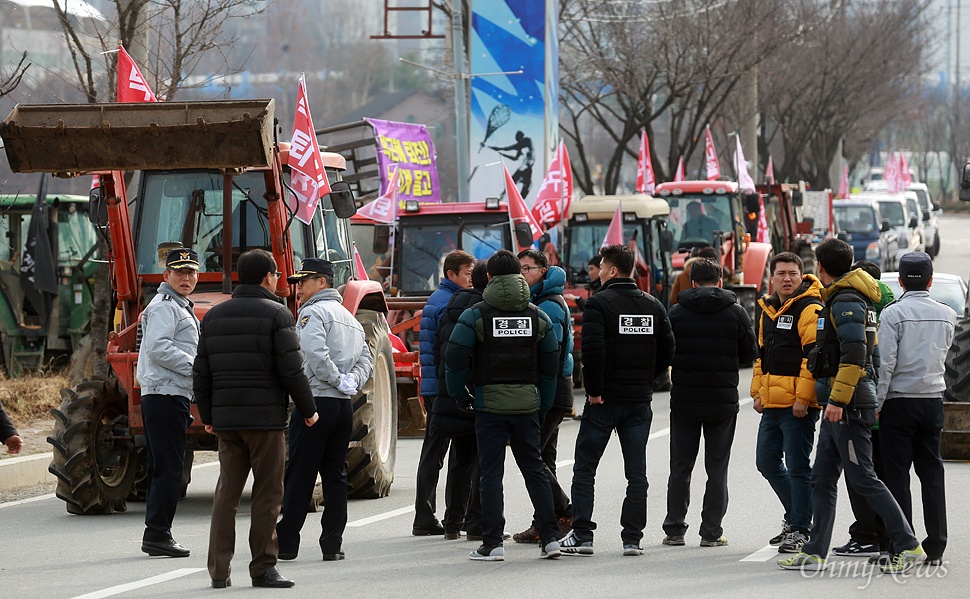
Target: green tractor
[(36, 328)]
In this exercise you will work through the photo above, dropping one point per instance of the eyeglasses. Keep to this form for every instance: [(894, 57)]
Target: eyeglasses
[(526, 269), (278, 273)]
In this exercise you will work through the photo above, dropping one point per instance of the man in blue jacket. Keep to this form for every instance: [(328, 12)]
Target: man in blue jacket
[(457, 272), (506, 348), (546, 284)]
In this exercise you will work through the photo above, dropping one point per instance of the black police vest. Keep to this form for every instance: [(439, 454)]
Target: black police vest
[(631, 331), (782, 351), (823, 361), (508, 354)]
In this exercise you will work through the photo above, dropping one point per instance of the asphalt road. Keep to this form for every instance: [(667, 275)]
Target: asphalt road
[(48, 553)]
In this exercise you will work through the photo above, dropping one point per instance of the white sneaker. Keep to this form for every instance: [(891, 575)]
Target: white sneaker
[(571, 545), (632, 550), (550, 550), (488, 554)]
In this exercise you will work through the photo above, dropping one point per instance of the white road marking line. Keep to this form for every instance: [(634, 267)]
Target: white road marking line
[(138, 584), (28, 500), (565, 463), (762, 555), (379, 517), (661, 433)]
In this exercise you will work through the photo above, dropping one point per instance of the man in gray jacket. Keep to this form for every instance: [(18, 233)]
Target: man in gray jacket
[(170, 339), (915, 333), (338, 363)]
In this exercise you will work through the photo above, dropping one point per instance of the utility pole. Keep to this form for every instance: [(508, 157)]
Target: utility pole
[(749, 124), (461, 100)]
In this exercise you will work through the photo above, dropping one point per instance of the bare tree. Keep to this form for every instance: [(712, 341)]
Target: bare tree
[(12, 78)]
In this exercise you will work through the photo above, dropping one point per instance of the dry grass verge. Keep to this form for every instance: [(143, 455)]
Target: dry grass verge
[(31, 396)]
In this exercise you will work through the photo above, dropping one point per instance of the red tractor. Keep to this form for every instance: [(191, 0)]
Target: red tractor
[(209, 176)]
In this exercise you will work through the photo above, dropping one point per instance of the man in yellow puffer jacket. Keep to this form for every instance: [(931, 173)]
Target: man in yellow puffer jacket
[(784, 393)]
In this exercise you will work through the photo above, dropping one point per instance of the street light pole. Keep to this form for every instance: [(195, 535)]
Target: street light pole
[(461, 100)]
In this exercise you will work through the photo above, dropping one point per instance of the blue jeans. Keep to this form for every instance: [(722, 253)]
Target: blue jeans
[(631, 421), (782, 435)]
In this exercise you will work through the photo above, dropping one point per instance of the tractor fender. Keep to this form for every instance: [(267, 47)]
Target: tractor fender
[(367, 295), (754, 261)]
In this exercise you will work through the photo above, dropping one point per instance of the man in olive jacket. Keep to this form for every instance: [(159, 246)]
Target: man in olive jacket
[(248, 366), (515, 354)]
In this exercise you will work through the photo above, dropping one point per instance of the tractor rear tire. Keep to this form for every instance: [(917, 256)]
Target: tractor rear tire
[(956, 374), (373, 447), (94, 466), (808, 260), (82, 361)]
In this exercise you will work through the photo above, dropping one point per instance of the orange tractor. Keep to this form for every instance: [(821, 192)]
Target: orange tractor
[(210, 176)]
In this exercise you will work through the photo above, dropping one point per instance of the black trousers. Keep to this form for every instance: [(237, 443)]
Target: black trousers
[(166, 419), (909, 435), (549, 446), (463, 501), (868, 528), (433, 452), (321, 449), (685, 439)]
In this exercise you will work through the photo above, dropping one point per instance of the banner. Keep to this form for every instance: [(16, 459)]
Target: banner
[(517, 208), (409, 146), (132, 87), (38, 273), (384, 208), (567, 177), (711, 166), (646, 181), (308, 178), (744, 178), (844, 182), (549, 204)]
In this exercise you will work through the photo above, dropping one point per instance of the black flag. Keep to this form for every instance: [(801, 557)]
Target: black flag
[(38, 274)]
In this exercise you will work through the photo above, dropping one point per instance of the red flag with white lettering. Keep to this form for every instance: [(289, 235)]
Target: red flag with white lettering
[(710, 157), (308, 178), (518, 211), (384, 208), (844, 183), (132, 87), (567, 179), (549, 203), (906, 178), (646, 181), (614, 235), (679, 173)]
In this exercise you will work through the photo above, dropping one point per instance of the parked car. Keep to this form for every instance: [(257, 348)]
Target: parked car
[(931, 214), (864, 228), (904, 226), (946, 288)]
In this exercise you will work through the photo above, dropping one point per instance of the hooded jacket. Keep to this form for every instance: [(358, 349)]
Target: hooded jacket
[(714, 338), (851, 320), (170, 338), (505, 293), (430, 315), (249, 364), (780, 390), (553, 283), (333, 344)]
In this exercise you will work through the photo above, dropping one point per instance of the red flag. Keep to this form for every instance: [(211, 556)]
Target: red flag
[(359, 266), (308, 179), (679, 174), (891, 174), (614, 235), (763, 234), (132, 87), (844, 183), (567, 179), (770, 171), (549, 203), (646, 181), (518, 211), (710, 157), (906, 178), (744, 178), (384, 208)]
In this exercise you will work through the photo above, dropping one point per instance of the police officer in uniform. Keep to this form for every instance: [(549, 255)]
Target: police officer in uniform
[(626, 340), (170, 339), (515, 354)]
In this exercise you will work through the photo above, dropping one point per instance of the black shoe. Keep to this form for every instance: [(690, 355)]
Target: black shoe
[(167, 548), (286, 557), (452, 535), (272, 579), (435, 530), (334, 557), (222, 584)]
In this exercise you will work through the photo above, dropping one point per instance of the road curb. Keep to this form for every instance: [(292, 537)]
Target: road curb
[(25, 471)]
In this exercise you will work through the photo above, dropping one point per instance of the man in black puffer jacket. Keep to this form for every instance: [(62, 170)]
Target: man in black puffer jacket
[(463, 504), (714, 338), (248, 366)]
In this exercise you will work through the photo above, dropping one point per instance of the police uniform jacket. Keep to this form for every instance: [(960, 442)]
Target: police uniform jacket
[(626, 340), (786, 334), (170, 337), (513, 348), (333, 344), (249, 364), (714, 338), (845, 340)]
